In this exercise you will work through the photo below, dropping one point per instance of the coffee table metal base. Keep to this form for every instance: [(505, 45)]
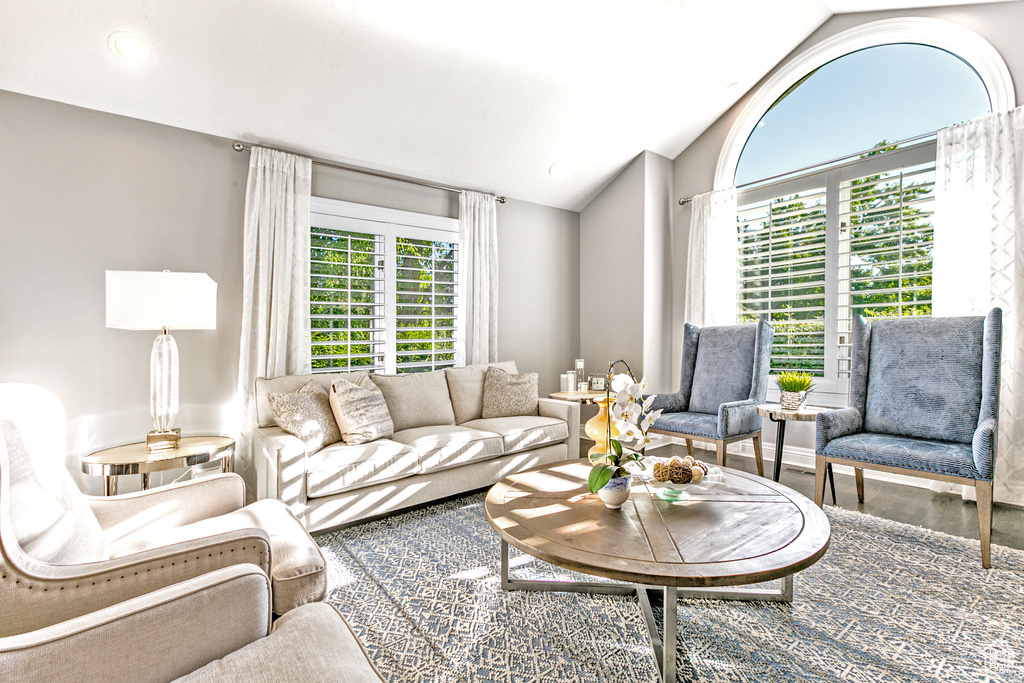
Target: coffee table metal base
[(664, 647)]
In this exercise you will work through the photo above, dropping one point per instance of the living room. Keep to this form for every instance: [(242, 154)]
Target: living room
[(110, 165)]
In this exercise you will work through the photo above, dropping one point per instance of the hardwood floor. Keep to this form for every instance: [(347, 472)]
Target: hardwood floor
[(910, 505)]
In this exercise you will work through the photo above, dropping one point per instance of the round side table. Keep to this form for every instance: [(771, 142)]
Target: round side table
[(581, 397), (775, 413), (135, 458)]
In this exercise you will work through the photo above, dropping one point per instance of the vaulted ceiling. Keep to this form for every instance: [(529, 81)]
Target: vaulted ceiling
[(470, 93)]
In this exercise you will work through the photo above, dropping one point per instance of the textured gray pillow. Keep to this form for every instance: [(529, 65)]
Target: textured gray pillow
[(307, 414), (360, 411), (508, 395), (416, 400), (466, 386)]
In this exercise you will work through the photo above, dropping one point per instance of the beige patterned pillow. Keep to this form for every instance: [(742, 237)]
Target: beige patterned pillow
[(508, 395), (306, 414), (360, 410)]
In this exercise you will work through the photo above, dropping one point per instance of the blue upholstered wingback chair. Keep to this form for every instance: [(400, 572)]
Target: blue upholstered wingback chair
[(924, 400), (723, 378)]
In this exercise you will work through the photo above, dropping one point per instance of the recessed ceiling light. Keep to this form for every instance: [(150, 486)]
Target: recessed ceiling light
[(129, 46), (560, 168)]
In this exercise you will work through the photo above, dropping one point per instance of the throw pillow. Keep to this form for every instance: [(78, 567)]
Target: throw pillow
[(307, 414), (360, 411), (508, 395)]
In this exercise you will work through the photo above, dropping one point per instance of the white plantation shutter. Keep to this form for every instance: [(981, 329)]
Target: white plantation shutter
[(383, 289), (347, 301), (844, 240), (782, 275), (885, 249)]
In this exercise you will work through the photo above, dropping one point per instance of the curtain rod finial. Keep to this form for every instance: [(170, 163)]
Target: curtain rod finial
[(238, 146)]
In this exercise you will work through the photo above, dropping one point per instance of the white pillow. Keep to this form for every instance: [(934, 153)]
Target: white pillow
[(360, 410)]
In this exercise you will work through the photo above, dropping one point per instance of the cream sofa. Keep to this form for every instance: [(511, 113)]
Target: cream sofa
[(441, 447)]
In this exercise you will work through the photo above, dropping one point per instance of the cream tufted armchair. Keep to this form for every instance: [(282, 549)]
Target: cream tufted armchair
[(64, 554)]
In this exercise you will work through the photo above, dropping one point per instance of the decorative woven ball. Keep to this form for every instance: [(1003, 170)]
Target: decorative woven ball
[(661, 471), (699, 464), (688, 460), (680, 473), (697, 474)]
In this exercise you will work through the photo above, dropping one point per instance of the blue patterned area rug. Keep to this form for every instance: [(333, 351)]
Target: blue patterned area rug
[(888, 602)]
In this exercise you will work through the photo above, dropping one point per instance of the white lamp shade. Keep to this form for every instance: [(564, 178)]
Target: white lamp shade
[(152, 300)]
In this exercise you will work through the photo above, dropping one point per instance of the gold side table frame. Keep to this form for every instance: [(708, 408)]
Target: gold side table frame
[(136, 458)]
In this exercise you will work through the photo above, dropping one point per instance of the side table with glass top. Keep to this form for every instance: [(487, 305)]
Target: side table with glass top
[(775, 413), (136, 458)]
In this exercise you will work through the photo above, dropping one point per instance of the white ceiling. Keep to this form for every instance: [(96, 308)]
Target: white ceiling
[(471, 93)]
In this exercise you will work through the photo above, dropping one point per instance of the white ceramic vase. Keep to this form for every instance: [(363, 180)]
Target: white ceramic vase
[(615, 492)]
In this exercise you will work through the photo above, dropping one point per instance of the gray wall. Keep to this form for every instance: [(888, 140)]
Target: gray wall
[(82, 192), (625, 274), (694, 169)]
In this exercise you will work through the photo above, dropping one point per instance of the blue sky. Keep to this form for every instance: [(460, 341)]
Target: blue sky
[(888, 92)]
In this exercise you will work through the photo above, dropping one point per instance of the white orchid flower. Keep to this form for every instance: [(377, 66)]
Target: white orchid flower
[(648, 402), (620, 382), (636, 391)]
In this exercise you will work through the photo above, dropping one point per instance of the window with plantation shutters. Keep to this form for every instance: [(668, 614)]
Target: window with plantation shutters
[(848, 239), (383, 289)]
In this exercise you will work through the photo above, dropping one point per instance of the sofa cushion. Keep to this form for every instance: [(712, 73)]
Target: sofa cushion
[(694, 424), (508, 395), (289, 384), (724, 369), (466, 387), (924, 378), (307, 414), (418, 399), (342, 467), (941, 457), (297, 569), (360, 411), (523, 432), (439, 447)]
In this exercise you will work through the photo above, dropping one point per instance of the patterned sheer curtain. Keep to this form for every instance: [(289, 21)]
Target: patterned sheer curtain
[(478, 281), (711, 259), (979, 258), (275, 275)]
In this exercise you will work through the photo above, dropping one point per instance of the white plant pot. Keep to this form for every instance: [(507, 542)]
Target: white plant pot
[(793, 400), (615, 492)]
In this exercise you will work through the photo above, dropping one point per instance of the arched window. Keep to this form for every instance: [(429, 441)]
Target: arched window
[(835, 175)]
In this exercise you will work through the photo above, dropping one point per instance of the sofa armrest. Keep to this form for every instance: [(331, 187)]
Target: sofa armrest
[(834, 424), (168, 506), (280, 462), (738, 417), (568, 411), (984, 447), (154, 637), (92, 586)]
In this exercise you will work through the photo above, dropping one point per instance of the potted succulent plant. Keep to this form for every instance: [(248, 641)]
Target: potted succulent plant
[(794, 386)]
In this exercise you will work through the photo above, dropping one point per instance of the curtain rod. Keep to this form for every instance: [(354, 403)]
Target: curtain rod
[(243, 147), (687, 200)]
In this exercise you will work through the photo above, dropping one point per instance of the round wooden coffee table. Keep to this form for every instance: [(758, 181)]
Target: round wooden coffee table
[(744, 531)]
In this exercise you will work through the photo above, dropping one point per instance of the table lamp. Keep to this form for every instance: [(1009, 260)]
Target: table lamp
[(153, 300)]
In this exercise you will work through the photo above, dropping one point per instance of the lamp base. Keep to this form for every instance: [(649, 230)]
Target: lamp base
[(163, 441)]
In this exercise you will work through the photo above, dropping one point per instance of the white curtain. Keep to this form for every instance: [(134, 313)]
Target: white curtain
[(979, 258), (711, 260), (478, 281), (275, 273)]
